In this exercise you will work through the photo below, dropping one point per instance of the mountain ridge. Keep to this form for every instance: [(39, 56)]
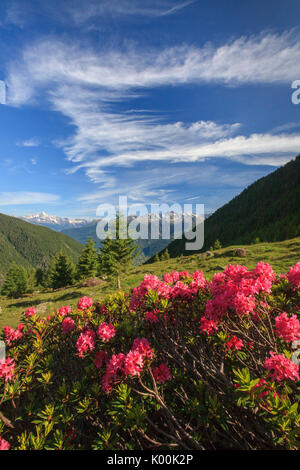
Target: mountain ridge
[(29, 245), (53, 221), (149, 247), (267, 210)]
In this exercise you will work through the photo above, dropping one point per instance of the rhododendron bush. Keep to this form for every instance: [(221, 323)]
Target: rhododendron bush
[(179, 362)]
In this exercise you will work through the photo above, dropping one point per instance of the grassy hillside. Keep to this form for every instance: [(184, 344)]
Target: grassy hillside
[(28, 244), (281, 255), (268, 209)]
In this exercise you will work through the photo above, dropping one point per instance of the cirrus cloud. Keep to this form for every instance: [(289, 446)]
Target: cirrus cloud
[(26, 198), (86, 85)]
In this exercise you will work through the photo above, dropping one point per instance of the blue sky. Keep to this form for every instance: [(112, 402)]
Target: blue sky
[(159, 100)]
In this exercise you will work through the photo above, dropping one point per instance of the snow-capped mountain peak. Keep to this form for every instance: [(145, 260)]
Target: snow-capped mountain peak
[(55, 222)]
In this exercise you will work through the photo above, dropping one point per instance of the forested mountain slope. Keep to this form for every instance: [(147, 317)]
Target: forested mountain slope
[(29, 245), (269, 209)]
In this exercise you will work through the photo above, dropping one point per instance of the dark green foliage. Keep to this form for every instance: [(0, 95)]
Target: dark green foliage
[(217, 245), (27, 244), (40, 277), (16, 281), (268, 210), (116, 254), (88, 262), (165, 255), (62, 271)]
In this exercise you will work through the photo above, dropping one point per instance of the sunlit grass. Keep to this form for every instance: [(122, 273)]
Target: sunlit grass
[(281, 255)]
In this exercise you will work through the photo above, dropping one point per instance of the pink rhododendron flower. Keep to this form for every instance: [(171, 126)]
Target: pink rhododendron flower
[(175, 276), (162, 373), (287, 328), (198, 280), (114, 371), (265, 389), (30, 311), (85, 303), (64, 311), (151, 317), (143, 347), (151, 282), (234, 290), (100, 358), (4, 445), (264, 277), (208, 326), (68, 325), (106, 331), (7, 368), (281, 368), (180, 290), (11, 334), (234, 343), (86, 342), (243, 304), (133, 363), (294, 276)]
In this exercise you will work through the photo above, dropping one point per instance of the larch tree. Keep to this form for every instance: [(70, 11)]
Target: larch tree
[(117, 253), (88, 262)]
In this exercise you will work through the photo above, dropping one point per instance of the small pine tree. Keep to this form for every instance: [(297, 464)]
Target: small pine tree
[(40, 277), (16, 281), (156, 257), (88, 262), (165, 255), (31, 280), (116, 254), (49, 272), (217, 245), (62, 271)]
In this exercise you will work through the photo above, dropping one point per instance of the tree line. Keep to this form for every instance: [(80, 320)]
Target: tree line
[(113, 260)]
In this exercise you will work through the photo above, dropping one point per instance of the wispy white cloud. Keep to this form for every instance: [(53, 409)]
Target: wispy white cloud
[(87, 85), (15, 14), (176, 8), (90, 14), (33, 142), (93, 9), (170, 183), (266, 58), (271, 150), (26, 198)]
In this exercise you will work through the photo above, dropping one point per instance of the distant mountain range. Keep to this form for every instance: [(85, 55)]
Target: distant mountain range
[(54, 222), (148, 247), (82, 229), (268, 210), (30, 245)]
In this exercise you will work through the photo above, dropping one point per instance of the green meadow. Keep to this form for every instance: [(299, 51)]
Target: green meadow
[(281, 255)]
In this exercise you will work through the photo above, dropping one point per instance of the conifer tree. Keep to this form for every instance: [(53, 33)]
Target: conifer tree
[(165, 255), (88, 262), (61, 271), (156, 258), (116, 253), (16, 281), (31, 284), (217, 245), (39, 277)]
